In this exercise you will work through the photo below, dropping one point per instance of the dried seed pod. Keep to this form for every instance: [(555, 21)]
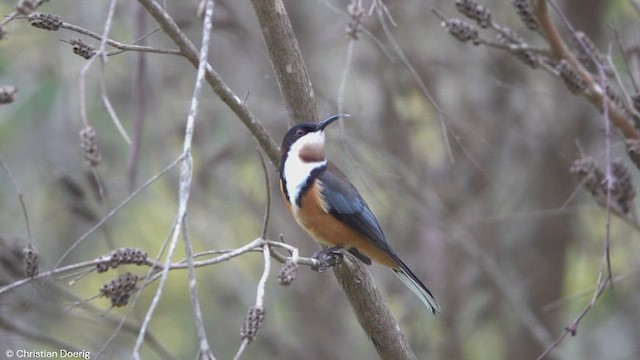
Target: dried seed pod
[(31, 260), (633, 150), (524, 8), (25, 7), (120, 300), (588, 53), (45, 21), (462, 30), (252, 323), (288, 273), (102, 267), (122, 256), (356, 12), (571, 77), (474, 11), (622, 190), (119, 290), (82, 49), (8, 94), (89, 146), (591, 176)]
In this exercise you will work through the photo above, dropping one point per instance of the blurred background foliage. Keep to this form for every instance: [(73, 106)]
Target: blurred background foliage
[(507, 192)]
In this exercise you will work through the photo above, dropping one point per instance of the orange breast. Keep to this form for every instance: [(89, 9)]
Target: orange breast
[(328, 230)]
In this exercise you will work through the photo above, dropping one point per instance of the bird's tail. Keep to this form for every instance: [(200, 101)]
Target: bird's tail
[(413, 283)]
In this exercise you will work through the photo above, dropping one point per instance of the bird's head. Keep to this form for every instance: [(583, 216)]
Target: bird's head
[(306, 140)]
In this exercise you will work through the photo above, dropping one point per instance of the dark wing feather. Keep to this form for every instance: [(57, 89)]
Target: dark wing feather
[(346, 204)]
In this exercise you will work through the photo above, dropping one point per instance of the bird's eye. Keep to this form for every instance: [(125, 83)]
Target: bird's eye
[(300, 132)]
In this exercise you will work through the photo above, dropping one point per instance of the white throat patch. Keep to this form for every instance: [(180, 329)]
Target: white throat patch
[(297, 171)]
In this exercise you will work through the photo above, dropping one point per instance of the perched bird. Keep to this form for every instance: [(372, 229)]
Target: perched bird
[(330, 209)]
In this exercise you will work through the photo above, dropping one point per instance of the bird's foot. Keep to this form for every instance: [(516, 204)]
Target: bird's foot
[(328, 258)]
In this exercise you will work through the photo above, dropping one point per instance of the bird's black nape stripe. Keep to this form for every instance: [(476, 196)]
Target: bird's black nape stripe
[(309, 182)]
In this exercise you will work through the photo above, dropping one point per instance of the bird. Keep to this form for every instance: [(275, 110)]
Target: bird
[(329, 208)]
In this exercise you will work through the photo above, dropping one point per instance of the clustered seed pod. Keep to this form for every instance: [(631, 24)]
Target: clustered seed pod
[(633, 150), (82, 49), (119, 290), (356, 12), (594, 180), (25, 7), (571, 77), (524, 8), (622, 190), (288, 272), (591, 176), (588, 53), (122, 256), (461, 30), (474, 11), (252, 323), (8, 94), (31, 260), (89, 146), (45, 21)]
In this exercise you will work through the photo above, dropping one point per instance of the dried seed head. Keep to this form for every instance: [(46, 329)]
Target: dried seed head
[(252, 323), (528, 57), (524, 9), (588, 53), (462, 30), (571, 77), (120, 289), (82, 49), (622, 190), (474, 11), (102, 267), (591, 177), (356, 12), (288, 273), (8, 94), (25, 7), (633, 150), (45, 21), (89, 146), (31, 261), (121, 256)]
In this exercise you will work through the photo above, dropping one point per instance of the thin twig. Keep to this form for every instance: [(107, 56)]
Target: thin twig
[(625, 58), (186, 174), (20, 199), (267, 190), (116, 44), (259, 294), (235, 103)]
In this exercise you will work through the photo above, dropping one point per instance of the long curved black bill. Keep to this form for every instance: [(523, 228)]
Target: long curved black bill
[(324, 123)]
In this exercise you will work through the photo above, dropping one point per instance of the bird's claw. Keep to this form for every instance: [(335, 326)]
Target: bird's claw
[(328, 258)]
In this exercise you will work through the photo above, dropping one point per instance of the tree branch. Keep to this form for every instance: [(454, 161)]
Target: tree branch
[(286, 59), (221, 89), (372, 312)]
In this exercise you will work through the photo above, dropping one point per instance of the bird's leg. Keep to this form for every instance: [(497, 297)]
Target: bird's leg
[(328, 257)]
